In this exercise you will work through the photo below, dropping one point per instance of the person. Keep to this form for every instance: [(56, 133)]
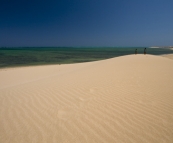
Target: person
[(145, 51), (136, 51)]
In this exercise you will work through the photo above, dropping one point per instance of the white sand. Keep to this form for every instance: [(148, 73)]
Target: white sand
[(127, 99)]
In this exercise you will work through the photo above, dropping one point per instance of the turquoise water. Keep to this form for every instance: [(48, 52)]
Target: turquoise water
[(22, 56)]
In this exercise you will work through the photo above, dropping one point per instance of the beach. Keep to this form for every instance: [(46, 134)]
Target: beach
[(170, 56), (127, 99)]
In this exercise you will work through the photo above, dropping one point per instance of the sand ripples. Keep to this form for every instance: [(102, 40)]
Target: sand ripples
[(116, 100)]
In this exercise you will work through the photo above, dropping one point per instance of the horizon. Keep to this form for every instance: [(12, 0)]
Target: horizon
[(81, 47), (75, 23)]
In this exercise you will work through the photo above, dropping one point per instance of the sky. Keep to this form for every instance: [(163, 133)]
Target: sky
[(114, 23)]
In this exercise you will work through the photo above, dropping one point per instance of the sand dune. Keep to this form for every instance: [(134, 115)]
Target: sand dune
[(127, 99), (170, 56)]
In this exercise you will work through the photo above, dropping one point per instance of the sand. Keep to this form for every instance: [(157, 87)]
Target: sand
[(127, 99), (170, 56)]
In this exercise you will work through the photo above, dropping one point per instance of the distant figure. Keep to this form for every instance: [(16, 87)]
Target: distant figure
[(145, 51), (136, 51)]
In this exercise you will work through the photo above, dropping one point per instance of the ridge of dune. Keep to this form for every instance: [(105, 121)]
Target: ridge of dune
[(126, 99), (170, 56)]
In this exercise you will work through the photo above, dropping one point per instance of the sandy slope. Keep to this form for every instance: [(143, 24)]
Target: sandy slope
[(127, 99), (170, 56)]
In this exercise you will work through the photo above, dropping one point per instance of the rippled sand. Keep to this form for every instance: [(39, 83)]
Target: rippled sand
[(127, 99)]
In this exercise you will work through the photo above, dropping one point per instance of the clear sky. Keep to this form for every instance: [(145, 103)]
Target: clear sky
[(86, 22)]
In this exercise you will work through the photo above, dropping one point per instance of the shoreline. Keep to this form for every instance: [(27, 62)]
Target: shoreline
[(170, 56)]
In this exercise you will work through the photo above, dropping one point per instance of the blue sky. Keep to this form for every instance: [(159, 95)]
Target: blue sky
[(86, 23)]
